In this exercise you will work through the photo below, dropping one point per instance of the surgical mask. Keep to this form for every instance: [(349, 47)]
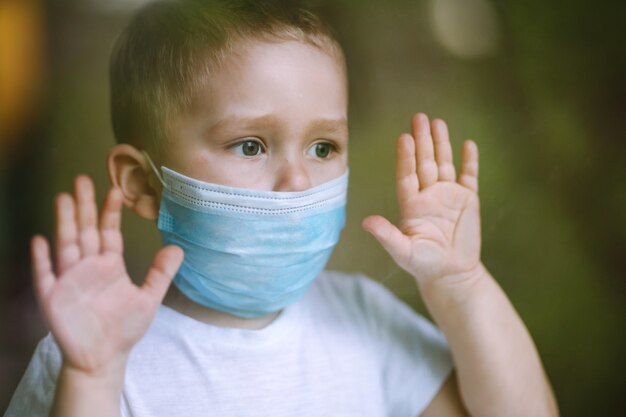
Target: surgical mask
[(249, 253)]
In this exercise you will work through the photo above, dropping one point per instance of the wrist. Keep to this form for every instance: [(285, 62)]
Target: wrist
[(453, 299), (109, 374), (455, 287), (92, 393)]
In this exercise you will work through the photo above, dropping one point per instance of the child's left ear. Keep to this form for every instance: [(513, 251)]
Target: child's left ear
[(130, 171)]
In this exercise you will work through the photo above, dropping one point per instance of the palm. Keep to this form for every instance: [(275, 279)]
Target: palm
[(93, 301), (439, 230), (94, 310)]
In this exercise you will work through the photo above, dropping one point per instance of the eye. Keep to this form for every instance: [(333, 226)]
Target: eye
[(321, 150), (248, 148)]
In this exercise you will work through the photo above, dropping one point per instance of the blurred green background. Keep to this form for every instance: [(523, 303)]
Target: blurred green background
[(541, 87)]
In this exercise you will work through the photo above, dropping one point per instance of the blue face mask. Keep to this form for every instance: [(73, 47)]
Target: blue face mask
[(249, 253)]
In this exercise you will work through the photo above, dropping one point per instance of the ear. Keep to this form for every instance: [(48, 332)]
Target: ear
[(130, 171)]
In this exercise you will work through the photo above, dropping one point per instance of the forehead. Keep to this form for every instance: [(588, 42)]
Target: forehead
[(291, 79)]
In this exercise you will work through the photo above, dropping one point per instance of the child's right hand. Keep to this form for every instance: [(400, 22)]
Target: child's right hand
[(95, 312)]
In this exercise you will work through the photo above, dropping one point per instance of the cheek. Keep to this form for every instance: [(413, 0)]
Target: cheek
[(329, 171), (195, 165), (234, 172), (217, 171)]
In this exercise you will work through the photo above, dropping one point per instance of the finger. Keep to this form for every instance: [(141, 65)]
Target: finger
[(389, 236), (43, 277), (443, 150), (66, 236), (424, 151), (88, 236), (469, 166), (110, 222), (164, 266), (407, 183)]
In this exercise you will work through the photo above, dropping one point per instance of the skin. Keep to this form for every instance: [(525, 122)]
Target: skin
[(283, 127)]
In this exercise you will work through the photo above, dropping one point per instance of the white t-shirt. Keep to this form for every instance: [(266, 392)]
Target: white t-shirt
[(348, 348)]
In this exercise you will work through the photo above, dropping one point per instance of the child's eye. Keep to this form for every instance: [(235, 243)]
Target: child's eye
[(321, 150), (248, 148)]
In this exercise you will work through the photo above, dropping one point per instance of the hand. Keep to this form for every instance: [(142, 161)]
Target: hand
[(94, 310), (439, 231)]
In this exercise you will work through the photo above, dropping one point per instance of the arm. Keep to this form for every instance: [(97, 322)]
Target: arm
[(438, 242), (447, 402), (94, 310), (498, 366)]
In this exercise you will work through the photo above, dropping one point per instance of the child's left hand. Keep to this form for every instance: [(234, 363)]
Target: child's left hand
[(438, 238), (438, 242)]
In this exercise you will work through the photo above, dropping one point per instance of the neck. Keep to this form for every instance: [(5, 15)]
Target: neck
[(177, 301)]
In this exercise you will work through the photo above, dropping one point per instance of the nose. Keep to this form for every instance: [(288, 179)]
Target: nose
[(292, 176)]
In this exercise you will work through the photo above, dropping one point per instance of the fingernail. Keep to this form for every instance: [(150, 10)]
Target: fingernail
[(84, 184)]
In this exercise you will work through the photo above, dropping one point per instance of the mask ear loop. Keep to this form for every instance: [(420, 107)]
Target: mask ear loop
[(154, 168)]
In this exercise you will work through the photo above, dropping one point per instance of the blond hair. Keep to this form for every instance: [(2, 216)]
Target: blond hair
[(170, 49)]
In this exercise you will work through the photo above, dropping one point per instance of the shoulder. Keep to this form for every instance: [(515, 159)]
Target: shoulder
[(35, 391), (369, 305), (343, 294), (411, 350), (356, 287), (360, 295), (46, 360)]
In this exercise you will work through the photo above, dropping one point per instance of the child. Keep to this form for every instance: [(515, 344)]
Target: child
[(243, 106)]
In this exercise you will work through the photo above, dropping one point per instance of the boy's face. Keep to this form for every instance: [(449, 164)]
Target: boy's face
[(273, 118)]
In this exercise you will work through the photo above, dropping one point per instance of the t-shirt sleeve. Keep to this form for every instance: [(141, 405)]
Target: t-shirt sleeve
[(414, 353), (35, 392)]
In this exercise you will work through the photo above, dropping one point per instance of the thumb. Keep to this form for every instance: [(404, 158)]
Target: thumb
[(389, 236), (164, 266)]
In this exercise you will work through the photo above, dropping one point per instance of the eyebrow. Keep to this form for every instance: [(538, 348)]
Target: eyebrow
[(334, 126)]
